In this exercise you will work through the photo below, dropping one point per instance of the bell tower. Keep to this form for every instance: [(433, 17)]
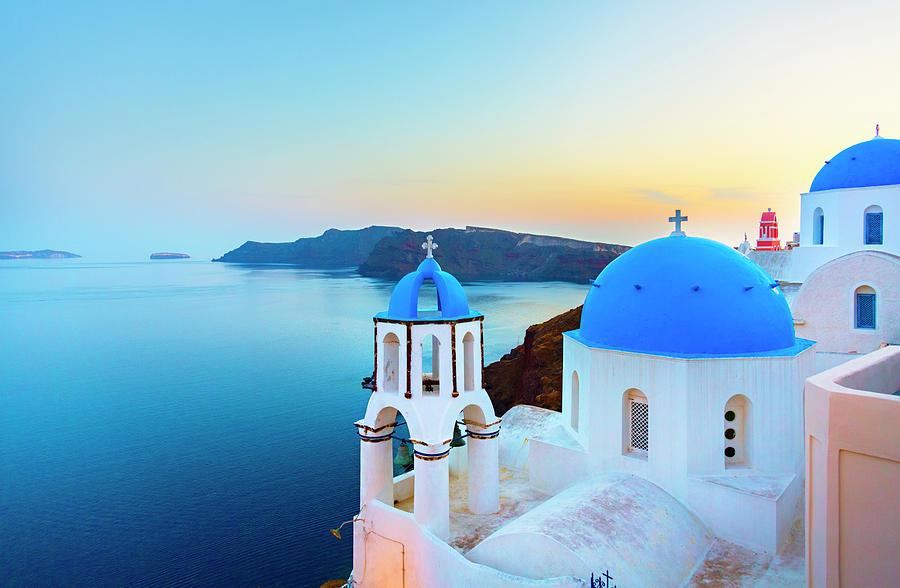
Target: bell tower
[(427, 382)]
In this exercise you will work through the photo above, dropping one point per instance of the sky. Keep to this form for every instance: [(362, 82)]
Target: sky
[(128, 128)]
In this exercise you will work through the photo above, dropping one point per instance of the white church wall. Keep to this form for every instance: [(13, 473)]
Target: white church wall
[(577, 360), (462, 329), (826, 305), (773, 387), (844, 211), (661, 380)]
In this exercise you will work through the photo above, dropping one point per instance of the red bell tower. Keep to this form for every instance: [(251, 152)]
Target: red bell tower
[(768, 233)]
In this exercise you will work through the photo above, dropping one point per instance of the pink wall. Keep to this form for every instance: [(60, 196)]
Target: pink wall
[(853, 471)]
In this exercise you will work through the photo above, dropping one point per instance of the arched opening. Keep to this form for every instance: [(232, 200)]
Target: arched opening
[(390, 367), (865, 307), (873, 227), (468, 362), (737, 430), (635, 424), (431, 362), (429, 303), (818, 226), (574, 397)]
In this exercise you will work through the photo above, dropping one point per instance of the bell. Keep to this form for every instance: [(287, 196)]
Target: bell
[(403, 458), (458, 440)]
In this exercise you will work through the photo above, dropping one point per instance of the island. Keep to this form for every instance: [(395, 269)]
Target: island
[(471, 254), (169, 256), (334, 248), (41, 254)]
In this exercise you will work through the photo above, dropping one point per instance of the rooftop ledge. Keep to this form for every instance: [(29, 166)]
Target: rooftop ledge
[(429, 316), (800, 345)]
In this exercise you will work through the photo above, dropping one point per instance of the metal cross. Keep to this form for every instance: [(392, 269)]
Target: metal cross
[(429, 246), (677, 219)]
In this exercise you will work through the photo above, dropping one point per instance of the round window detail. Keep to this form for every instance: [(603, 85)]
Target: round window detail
[(729, 416), (729, 433), (729, 452)]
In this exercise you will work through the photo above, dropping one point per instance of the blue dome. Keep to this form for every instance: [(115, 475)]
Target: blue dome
[(686, 296), (871, 163), (451, 297)]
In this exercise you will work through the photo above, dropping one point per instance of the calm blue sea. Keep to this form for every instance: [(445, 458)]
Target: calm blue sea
[(190, 423)]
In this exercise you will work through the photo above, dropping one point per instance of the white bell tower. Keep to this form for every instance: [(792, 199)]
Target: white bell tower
[(431, 400)]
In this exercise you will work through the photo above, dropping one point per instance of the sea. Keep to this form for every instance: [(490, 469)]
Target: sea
[(187, 423)]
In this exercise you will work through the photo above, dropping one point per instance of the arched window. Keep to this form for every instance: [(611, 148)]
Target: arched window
[(818, 227), (865, 307), (737, 430), (575, 400), (874, 226), (636, 425), (468, 362), (391, 363)]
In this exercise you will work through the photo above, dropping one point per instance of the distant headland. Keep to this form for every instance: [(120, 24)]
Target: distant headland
[(41, 254), (169, 256), (477, 254)]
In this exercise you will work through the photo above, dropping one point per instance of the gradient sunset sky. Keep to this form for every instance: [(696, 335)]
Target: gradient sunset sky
[(128, 129)]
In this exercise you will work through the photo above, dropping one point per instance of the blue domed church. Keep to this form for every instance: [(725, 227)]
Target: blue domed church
[(679, 448)]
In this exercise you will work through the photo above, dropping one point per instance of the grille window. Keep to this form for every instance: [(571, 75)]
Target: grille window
[(865, 311), (874, 226), (639, 434)]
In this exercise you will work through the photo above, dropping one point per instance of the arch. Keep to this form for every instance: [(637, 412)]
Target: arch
[(469, 362), (390, 366), (635, 424), (864, 311), (431, 362), (575, 404), (818, 226), (737, 431), (873, 225)]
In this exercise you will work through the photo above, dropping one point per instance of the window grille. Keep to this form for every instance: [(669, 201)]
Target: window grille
[(874, 225), (640, 426), (865, 311)]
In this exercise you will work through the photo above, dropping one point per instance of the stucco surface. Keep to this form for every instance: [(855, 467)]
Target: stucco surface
[(615, 521)]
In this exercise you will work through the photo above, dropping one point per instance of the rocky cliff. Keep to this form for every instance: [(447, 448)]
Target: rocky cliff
[(492, 254), (332, 249), (532, 372)]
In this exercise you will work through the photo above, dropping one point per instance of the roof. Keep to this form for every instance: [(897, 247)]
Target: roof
[(875, 162), (452, 302), (686, 296)]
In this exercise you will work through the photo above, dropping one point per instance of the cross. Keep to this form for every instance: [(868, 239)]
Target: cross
[(677, 219), (429, 246)]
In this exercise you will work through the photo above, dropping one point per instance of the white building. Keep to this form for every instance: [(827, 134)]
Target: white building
[(853, 204), (678, 453), (844, 278)]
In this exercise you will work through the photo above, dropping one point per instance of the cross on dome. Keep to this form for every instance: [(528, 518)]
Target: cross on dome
[(429, 246), (677, 219)]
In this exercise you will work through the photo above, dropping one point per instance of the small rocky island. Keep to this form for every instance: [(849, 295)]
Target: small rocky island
[(41, 254), (169, 256)]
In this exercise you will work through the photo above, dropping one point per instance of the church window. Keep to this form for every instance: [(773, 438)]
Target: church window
[(736, 426), (391, 363), (818, 227), (575, 400), (468, 362), (637, 413), (874, 226), (865, 308)]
